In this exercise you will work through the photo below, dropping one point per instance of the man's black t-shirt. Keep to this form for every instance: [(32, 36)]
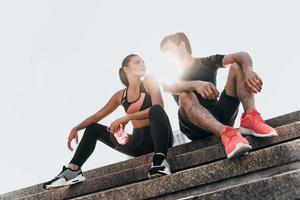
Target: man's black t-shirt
[(204, 69)]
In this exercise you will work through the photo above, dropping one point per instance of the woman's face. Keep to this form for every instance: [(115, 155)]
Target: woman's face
[(135, 67)]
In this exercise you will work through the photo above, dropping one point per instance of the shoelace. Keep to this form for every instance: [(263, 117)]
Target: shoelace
[(64, 168), (230, 134), (257, 117)]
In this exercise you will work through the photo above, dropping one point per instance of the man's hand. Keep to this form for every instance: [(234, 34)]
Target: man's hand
[(73, 135), (253, 82), (114, 126), (206, 89)]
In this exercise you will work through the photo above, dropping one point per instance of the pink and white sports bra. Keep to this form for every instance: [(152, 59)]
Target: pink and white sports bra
[(142, 103)]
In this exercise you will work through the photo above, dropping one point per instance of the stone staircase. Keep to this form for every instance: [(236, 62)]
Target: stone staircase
[(200, 171)]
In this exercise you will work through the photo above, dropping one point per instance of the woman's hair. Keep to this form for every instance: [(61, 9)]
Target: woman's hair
[(122, 74), (177, 38)]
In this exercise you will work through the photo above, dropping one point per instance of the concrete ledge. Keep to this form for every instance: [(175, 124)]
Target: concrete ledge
[(261, 159), (191, 146), (284, 119), (230, 182), (143, 160), (283, 186), (177, 163)]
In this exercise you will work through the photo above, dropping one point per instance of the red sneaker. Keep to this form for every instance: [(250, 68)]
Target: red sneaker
[(253, 124), (235, 144)]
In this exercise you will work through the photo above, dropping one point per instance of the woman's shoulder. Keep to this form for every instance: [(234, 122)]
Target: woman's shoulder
[(150, 81), (118, 96), (149, 78), (120, 92)]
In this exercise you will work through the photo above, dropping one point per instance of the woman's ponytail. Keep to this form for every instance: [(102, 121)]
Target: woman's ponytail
[(122, 74), (123, 77)]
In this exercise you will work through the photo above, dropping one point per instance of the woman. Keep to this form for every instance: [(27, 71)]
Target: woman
[(143, 105)]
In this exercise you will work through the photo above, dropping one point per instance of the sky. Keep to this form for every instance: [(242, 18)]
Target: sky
[(59, 63)]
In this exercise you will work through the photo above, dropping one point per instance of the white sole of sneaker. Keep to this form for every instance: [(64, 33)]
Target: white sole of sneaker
[(239, 149), (246, 131), (162, 173), (73, 181)]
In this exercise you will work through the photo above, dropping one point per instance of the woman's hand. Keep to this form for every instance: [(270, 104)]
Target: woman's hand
[(114, 126), (73, 135)]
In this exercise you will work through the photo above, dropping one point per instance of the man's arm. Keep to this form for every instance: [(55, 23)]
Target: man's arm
[(206, 89), (243, 59), (178, 87)]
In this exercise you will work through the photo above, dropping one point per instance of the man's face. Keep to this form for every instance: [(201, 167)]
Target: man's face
[(173, 51)]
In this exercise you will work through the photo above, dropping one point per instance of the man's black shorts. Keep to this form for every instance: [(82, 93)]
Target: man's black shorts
[(225, 111)]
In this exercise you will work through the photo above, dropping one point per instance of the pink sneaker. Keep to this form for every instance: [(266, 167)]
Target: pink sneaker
[(253, 124), (235, 144), (121, 136)]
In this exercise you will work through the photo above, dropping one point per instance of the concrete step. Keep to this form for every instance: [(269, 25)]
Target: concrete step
[(191, 146), (142, 160), (179, 162), (281, 187), (284, 119), (219, 170), (232, 182)]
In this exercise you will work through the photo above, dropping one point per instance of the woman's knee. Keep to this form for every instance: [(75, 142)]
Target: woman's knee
[(156, 110), (92, 129)]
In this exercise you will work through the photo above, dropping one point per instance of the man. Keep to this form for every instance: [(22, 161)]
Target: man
[(201, 110)]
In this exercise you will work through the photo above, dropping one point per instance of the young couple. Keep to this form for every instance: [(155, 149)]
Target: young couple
[(203, 111)]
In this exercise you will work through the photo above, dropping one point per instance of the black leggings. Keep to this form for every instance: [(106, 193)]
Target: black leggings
[(157, 137)]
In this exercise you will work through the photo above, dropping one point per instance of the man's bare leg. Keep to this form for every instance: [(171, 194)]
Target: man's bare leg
[(236, 87), (234, 143), (200, 116), (189, 106)]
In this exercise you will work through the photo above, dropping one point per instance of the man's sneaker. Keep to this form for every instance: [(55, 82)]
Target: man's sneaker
[(64, 178), (253, 124), (235, 144), (159, 170)]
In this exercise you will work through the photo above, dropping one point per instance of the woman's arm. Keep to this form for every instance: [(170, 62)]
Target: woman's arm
[(108, 108)]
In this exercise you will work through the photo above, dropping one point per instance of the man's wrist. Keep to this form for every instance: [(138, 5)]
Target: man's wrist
[(194, 84)]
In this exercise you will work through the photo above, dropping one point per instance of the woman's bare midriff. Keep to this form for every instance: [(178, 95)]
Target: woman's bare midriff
[(140, 123)]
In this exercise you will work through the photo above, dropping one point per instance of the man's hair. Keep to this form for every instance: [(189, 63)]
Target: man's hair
[(177, 38)]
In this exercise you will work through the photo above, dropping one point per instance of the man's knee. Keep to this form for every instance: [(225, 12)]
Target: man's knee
[(235, 69), (185, 99)]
